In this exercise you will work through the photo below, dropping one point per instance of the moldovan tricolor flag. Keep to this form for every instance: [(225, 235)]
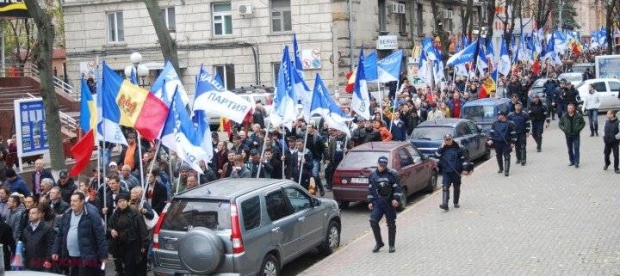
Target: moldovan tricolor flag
[(130, 105), (83, 149)]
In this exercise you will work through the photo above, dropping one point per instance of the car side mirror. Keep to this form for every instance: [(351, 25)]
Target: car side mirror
[(316, 202)]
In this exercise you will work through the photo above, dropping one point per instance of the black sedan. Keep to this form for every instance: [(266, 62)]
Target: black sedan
[(428, 136)]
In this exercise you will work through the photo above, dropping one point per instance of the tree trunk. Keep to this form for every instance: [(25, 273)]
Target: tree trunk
[(42, 58), (168, 45), (443, 35), (469, 9), (610, 27), (490, 17)]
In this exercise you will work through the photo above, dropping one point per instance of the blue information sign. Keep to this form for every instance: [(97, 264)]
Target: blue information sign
[(30, 124)]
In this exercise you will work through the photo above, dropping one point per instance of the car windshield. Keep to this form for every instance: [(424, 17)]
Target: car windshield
[(431, 133), (362, 159), (185, 214), (479, 113)]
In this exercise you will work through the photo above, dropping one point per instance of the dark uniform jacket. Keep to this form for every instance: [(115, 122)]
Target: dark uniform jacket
[(384, 186), (538, 112), (610, 135), (503, 132), (521, 121), (451, 158)]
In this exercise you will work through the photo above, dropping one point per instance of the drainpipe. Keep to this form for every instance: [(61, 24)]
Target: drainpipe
[(349, 4), (256, 63)]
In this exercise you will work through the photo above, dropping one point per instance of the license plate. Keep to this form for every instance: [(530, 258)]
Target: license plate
[(359, 180)]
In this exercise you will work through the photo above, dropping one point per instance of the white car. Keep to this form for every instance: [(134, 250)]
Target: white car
[(607, 89), (574, 78)]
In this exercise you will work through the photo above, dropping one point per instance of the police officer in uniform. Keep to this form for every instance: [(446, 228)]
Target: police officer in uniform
[(522, 128), (502, 137), (384, 194), (539, 114), (451, 163)]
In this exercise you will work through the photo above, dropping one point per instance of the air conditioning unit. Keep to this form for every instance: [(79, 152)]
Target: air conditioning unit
[(397, 8), (246, 10)]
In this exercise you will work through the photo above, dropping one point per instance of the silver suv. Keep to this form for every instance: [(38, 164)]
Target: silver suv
[(242, 227)]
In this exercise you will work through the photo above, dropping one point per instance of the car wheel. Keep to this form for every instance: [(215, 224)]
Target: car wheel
[(270, 267), (432, 183), (332, 239), (343, 204), (201, 251)]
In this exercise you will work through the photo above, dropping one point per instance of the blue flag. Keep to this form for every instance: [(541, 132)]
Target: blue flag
[(389, 67), (285, 98), (324, 105), (360, 102), (464, 56), (370, 66)]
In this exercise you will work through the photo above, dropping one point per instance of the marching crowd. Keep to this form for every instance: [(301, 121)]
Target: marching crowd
[(59, 222)]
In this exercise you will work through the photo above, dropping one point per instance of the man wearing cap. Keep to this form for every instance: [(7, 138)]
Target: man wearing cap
[(539, 114), (572, 123), (451, 160), (522, 127), (66, 184), (502, 137), (384, 195)]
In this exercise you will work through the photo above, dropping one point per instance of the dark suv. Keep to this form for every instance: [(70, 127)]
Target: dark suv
[(242, 227)]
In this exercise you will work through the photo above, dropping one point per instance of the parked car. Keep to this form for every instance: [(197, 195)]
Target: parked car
[(242, 227), (428, 136), (608, 91), (574, 78), (483, 112), (538, 88), (350, 180), (581, 67)]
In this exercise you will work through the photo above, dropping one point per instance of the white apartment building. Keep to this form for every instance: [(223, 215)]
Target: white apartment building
[(243, 40)]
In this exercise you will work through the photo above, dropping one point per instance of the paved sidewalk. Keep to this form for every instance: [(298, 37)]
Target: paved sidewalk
[(545, 219)]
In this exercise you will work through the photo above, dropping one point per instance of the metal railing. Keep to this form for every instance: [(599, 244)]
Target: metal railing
[(60, 85), (67, 121)]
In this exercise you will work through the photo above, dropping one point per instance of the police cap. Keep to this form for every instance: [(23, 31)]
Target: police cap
[(383, 161)]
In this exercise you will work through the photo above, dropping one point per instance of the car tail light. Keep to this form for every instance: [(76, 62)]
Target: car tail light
[(158, 226), (336, 179), (235, 237)]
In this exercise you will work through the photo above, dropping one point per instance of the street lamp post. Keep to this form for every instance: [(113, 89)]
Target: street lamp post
[(138, 69)]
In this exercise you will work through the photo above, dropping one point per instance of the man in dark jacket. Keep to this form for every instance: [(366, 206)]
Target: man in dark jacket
[(338, 146), (522, 127), (15, 183), (572, 123), (66, 184), (129, 238), (549, 88), (611, 137), (57, 204), (8, 242), (538, 114), (156, 194), (451, 160), (108, 199), (81, 238), (316, 146), (502, 137), (38, 240), (514, 88), (39, 174)]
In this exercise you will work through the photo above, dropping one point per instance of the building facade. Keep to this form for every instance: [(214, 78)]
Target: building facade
[(243, 40)]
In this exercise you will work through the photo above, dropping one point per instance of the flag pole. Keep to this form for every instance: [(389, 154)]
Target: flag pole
[(303, 155), (262, 154), (141, 163), (158, 145), (394, 105), (283, 153)]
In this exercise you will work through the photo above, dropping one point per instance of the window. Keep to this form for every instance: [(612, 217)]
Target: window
[(227, 74), (614, 86), (599, 86), (473, 127), (462, 130), (298, 199), (277, 206), (417, 157), (402, 24), (168, 15), (405, 158), (281, 16), (382, 15), (116, 32), (419, 14), (184, 215), (275, 68), (250, 210), (222, 19)]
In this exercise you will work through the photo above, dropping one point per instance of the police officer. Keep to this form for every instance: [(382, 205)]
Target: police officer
[(549, 88), (451, 163), (503, 137), (522, 127), (384, 194), (539, 114)]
